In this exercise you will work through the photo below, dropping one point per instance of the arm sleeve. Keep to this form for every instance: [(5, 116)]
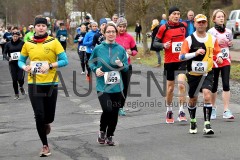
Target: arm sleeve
[(62, 59), (133, 47), (185, 55), (76, 38), (22, 61)]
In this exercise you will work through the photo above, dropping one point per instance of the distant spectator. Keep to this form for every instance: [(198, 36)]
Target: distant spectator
[(138, 30), (164, 19), (154, 29), (2, 41), (115, 18)]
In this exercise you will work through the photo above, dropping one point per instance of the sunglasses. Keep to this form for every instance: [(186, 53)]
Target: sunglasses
[(16, 33), (202, 22)]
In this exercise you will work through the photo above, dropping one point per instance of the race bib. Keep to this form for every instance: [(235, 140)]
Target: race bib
[(63, 38), (112, 77), (176, 47), (225, 52), (199, 66), (36, 65), (82, 48), (15, 56)]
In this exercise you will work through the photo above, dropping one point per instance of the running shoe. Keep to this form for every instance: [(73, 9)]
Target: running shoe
[(169, 117), (47, 128), (228, 114), (88, 78), (22, 90), (207, 128), (16, 97), (214, 113), (182, 117), (101, 137), (193, 127), (121, 112), (83, 73), (45, 152), (109, 141)]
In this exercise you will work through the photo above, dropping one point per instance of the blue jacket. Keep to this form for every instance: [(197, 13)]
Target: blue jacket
[(190, 27), (88, 41), (104, 55)]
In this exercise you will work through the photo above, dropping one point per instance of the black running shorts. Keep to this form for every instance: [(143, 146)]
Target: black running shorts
[(194, 83)]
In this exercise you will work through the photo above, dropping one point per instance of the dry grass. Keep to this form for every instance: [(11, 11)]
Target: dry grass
[(146, 59), (235, 71)]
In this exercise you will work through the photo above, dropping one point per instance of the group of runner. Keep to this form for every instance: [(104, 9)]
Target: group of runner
[(197, 59)]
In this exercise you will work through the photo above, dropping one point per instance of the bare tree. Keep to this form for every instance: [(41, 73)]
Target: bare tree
[(109, 6), (206, 9), (141, 8)]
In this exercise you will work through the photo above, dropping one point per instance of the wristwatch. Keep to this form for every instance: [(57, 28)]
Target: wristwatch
[(50, 66)]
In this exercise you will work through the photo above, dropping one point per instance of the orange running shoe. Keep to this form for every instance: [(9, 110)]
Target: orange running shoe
[(169, 117)]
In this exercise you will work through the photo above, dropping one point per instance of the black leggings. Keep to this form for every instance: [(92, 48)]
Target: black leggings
[(64, 45), (110, 103), (88, 55), (126, 76), (225, 73), (83, 58), (43, 99), (17, 75)]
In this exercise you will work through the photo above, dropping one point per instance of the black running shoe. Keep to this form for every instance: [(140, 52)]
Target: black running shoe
[(207, 129), (22, 90), (101, 137), (193, 128)]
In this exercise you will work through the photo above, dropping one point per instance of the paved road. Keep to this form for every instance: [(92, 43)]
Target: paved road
[(141, 135)]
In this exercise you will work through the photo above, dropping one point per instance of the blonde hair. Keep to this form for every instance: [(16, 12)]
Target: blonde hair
[(155, 22), (215, 13)]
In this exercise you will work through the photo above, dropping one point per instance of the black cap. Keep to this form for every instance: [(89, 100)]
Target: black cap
[(87, 17), (172, 9)]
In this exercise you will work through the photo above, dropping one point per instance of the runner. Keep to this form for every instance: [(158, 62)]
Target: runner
[(224, 37), (128, 43), (170, 37), (99, 36), (62, 35), (12, 53), (88, 41), (45, 54), (200, 49), (30, 34), (107, 60), (81, 48)]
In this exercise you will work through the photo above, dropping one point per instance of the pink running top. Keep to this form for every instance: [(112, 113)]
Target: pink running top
[(127, 42)]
